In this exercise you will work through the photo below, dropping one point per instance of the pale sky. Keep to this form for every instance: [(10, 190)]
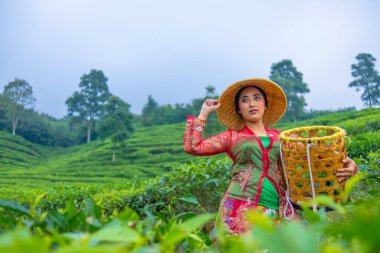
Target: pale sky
[(173, 49)]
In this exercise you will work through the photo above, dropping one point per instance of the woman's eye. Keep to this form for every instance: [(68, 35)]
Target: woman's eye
[(244, 100), (257, 98)]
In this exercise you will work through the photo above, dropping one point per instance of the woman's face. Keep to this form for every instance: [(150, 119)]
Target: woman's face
[(252, 104)]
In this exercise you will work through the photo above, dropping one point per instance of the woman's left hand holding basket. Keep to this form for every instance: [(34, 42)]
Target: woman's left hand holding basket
[(348, 171)]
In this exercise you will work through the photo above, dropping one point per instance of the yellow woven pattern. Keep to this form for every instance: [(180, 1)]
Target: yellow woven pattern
[(326, 154)]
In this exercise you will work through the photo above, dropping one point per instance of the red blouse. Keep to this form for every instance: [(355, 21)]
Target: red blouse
[(252, 162)]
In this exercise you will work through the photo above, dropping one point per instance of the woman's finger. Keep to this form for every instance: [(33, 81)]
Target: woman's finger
[(344, 174), (341, 179), (210, 102), (346, 170), (343, 170), (347, 160)]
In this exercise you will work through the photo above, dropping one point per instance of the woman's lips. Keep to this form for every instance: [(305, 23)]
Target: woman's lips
[(253, 111)]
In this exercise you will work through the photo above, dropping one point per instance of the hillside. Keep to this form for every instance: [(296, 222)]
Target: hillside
[(17, 158), (149, 152)]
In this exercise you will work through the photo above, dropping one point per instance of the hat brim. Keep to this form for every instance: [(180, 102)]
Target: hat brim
[(276, 100)]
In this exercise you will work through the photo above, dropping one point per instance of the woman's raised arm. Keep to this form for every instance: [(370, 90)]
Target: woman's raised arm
[(194, 143)]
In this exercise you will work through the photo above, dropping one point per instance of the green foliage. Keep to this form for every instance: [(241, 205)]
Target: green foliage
[(312, 113), (116, 123), (87, 225), (4, 121), (364, 144), (36, 129), (150, 152), (88, 104), (15, 152), (202, 183), (19, 97), (371, 167), (285, 74), (88, 229), (63, 134), (155, 114), (39, 128), (367, 78), (149, 112)]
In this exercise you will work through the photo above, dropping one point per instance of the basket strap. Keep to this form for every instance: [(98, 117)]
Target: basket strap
[(288, 203), (315, 206)]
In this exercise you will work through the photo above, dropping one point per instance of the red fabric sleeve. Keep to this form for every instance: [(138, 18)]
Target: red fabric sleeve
[(194, 143)]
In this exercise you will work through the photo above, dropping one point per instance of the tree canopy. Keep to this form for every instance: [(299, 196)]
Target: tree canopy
[(18, 96), (116, 122), (285, 74), (149, 112), (366, 78), (88, 104)]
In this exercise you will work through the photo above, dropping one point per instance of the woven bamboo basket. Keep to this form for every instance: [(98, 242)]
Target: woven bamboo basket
[(310, 157)]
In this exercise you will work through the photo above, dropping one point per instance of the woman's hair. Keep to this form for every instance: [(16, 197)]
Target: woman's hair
[(241, 90)]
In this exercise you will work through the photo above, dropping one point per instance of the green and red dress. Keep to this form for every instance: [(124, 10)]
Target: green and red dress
[(257, 181)]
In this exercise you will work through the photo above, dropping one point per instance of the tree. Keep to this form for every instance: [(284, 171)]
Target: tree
[(155, 114), (286, 75), (4, 113), (87, 105), (116, 123), (19, 95), (149, 112), (367, 78), (210, 91), (36, 129)]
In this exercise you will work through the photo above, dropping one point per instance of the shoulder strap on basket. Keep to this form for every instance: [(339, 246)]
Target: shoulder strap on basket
[(288, 203), (315, 206)]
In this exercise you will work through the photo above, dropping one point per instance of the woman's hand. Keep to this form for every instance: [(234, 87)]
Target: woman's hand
[(350, 169), (209, 105)]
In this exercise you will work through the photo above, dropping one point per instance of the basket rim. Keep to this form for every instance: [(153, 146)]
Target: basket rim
[(338, 134)]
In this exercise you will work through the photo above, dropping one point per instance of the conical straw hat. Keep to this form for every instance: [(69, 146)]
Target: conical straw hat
[(276, 100)]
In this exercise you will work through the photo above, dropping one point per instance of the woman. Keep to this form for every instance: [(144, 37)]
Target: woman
[(248, 108)]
